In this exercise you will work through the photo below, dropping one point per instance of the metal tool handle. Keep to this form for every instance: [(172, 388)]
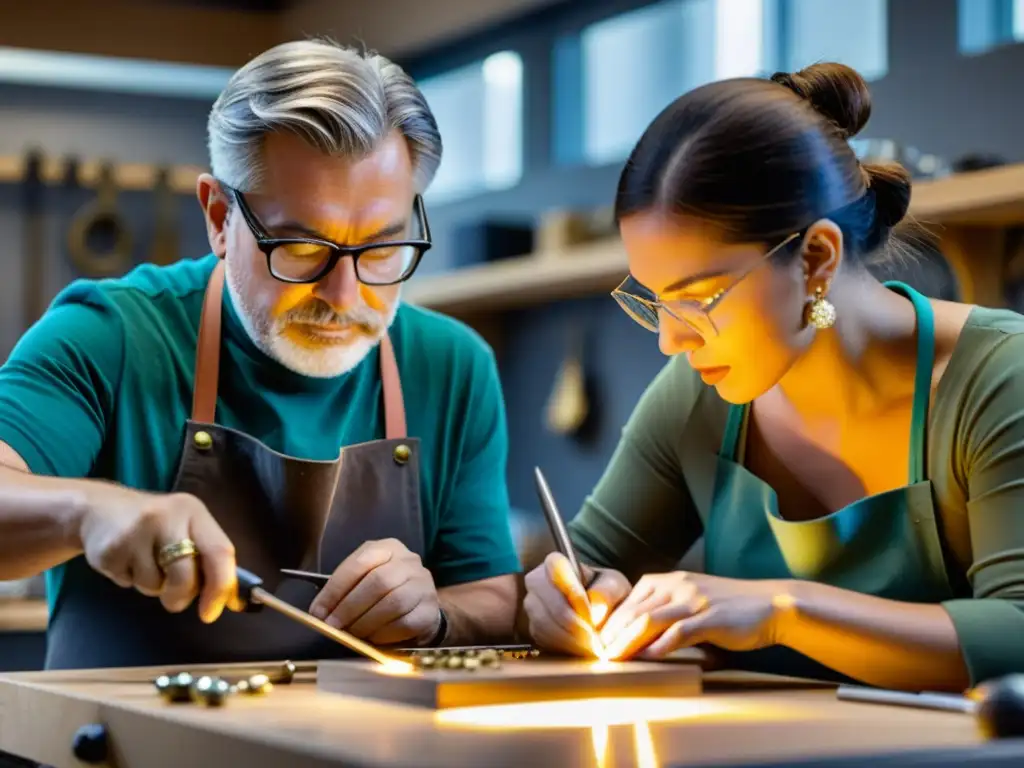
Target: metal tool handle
[(558, 530), (924, 700)]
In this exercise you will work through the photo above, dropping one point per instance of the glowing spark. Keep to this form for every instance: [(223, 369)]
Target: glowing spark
[(396, 667)]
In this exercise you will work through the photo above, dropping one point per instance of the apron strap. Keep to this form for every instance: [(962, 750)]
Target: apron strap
[(204, 393), (729, 449), (922, 379), (394, 403)]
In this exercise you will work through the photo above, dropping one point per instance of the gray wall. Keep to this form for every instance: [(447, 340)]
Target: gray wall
[(932, 98), (90, 126)]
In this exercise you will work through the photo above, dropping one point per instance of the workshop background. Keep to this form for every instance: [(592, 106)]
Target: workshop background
[(538, 101)]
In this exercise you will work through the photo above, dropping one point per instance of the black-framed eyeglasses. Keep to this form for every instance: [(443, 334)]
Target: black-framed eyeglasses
[(696, 314), (310, 259)]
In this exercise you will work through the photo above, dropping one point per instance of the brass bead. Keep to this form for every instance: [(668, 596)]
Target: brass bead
[(203, 441), (255, 685), (402, 454)]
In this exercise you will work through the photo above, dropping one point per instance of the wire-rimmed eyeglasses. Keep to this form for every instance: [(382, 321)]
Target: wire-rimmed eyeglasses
[(644, 307)]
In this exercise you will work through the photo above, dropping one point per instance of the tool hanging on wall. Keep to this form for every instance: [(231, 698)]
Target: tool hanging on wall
[(33, 297), (99, 242), (569, 404), (165, 230)]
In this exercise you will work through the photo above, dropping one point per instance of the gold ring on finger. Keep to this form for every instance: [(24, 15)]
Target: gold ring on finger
[(172, 553)]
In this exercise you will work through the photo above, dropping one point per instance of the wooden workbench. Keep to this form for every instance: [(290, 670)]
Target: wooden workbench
[(739, 720)]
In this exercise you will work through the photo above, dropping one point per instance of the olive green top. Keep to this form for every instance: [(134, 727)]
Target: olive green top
[(654, 500)]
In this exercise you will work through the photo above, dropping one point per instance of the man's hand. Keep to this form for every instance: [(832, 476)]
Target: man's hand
[(562, 615), (383, 594), (122, 530)]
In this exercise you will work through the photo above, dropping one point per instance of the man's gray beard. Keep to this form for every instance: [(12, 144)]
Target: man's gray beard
[(333, 360)]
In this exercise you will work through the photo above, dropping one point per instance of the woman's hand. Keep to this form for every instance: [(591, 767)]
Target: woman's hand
[(562, 615), (668, 611)]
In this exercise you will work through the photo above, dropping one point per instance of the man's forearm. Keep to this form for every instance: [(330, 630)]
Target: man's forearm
[(880, 642), (38, 522), (481, 612)]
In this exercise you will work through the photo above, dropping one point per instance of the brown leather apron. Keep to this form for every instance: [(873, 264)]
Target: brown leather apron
[(279, 512)]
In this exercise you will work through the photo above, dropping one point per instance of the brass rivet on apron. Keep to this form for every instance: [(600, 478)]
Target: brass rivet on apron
[(203, 441), (402, 454)]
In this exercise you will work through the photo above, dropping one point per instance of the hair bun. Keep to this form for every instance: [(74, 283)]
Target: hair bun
[(836, 91), (891, 185)]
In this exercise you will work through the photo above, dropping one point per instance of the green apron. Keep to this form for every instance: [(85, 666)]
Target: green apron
[(887, 545)]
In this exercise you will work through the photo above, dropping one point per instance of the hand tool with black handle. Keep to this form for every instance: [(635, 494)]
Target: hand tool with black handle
[(254, 597)]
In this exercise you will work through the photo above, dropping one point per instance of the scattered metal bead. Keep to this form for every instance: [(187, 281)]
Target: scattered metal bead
[(285, 675), (174, 688), (210, 691), (469, 659), (255, 685)]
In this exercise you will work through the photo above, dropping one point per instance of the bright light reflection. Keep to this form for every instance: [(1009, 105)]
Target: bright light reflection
[(396, 667), (643, 746), (599, 736), (594, 713)]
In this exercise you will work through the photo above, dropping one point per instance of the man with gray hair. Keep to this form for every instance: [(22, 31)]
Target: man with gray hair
[(157, 430)]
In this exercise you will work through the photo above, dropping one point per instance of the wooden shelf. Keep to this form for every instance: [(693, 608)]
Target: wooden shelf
[(578, 271), (982, 198), (129, 176), (993, 197), (23, 616)]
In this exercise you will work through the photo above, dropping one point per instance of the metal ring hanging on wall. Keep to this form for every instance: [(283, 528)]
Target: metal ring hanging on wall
[(92, 217)]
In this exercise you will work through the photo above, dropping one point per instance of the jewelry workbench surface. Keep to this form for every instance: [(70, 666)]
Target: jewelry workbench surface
[(739, 720)]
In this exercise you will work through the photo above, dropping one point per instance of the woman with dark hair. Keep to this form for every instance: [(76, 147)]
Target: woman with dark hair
[(851, 451)]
